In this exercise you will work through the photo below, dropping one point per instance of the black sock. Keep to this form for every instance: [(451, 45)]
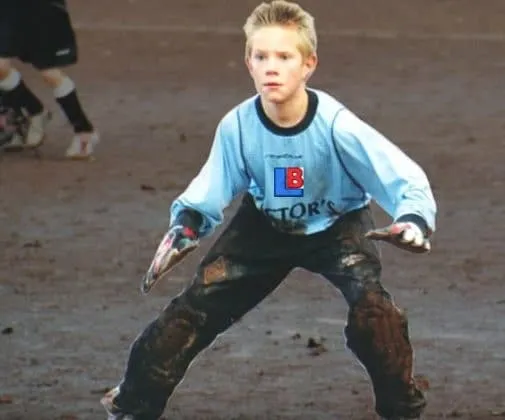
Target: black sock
[(72, 108), (21, 97)]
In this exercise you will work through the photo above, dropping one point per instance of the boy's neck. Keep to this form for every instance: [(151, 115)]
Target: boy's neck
[(289, 113)]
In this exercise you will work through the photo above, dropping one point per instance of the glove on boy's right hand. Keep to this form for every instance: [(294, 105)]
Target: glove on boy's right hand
[(175, 245)]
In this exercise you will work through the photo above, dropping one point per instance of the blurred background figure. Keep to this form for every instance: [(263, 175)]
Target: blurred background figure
[(40, 33)]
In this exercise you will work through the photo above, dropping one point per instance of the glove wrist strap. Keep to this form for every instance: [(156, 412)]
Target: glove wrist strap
[(417, 220), (191, 220)]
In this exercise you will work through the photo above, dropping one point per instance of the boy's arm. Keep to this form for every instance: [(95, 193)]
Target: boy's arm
[(395, 182), (220, 180), (199, 209)]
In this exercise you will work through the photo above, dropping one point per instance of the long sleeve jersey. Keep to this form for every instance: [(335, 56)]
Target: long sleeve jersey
[(305, 177)]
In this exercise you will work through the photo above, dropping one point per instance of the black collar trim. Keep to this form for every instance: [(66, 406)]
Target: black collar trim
[(295, 129)]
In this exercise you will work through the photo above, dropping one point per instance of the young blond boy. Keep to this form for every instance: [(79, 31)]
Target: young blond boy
[(309, 169)]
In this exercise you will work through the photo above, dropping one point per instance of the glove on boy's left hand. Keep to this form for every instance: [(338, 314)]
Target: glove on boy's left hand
[(404, 235)]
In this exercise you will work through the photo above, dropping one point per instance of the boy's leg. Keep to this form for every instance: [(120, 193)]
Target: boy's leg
[(16, 93), (18, 96), (377, 330), (239, 271), (85, 137), (11, 125)]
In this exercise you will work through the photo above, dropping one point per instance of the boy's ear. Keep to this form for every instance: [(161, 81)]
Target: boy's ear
[(310, 65), (247, 61)]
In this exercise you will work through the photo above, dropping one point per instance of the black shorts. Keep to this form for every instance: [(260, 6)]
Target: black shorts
[(38, 32)]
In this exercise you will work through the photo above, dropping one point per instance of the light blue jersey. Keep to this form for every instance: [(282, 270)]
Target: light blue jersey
[(305, 177)]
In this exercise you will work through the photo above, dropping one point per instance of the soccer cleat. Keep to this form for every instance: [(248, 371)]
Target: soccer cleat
[(82, 145), (8, 126), (36, 130), (113, 412), (15, 144)]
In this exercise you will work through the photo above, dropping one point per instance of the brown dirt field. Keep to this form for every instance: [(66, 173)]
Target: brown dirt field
[(156, 76)]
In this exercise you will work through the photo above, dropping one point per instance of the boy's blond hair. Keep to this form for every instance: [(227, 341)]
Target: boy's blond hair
[(283, 13)]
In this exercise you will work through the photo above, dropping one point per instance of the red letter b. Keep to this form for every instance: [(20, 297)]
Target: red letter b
[(294, 178)]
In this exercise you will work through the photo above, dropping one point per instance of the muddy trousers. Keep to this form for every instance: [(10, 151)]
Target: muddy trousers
[(247, 263)]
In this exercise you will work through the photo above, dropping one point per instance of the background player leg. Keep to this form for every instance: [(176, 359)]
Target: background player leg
[(22, 100), (240, 270), (13, 124), (377, 330), (65, 92)]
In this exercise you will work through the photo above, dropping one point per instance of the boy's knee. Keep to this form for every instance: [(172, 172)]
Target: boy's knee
[(190, 315), (362, 287), (52, 77), (217, 314), (175, 328), (181, 314), (5, 68)]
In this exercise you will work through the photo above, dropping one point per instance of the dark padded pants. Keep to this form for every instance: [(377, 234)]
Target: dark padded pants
[(247, 263)]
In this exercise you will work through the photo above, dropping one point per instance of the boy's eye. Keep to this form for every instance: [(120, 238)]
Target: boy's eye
[(263, 56)]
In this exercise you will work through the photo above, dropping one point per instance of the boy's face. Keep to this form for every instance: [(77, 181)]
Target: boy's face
[(276, 64)]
